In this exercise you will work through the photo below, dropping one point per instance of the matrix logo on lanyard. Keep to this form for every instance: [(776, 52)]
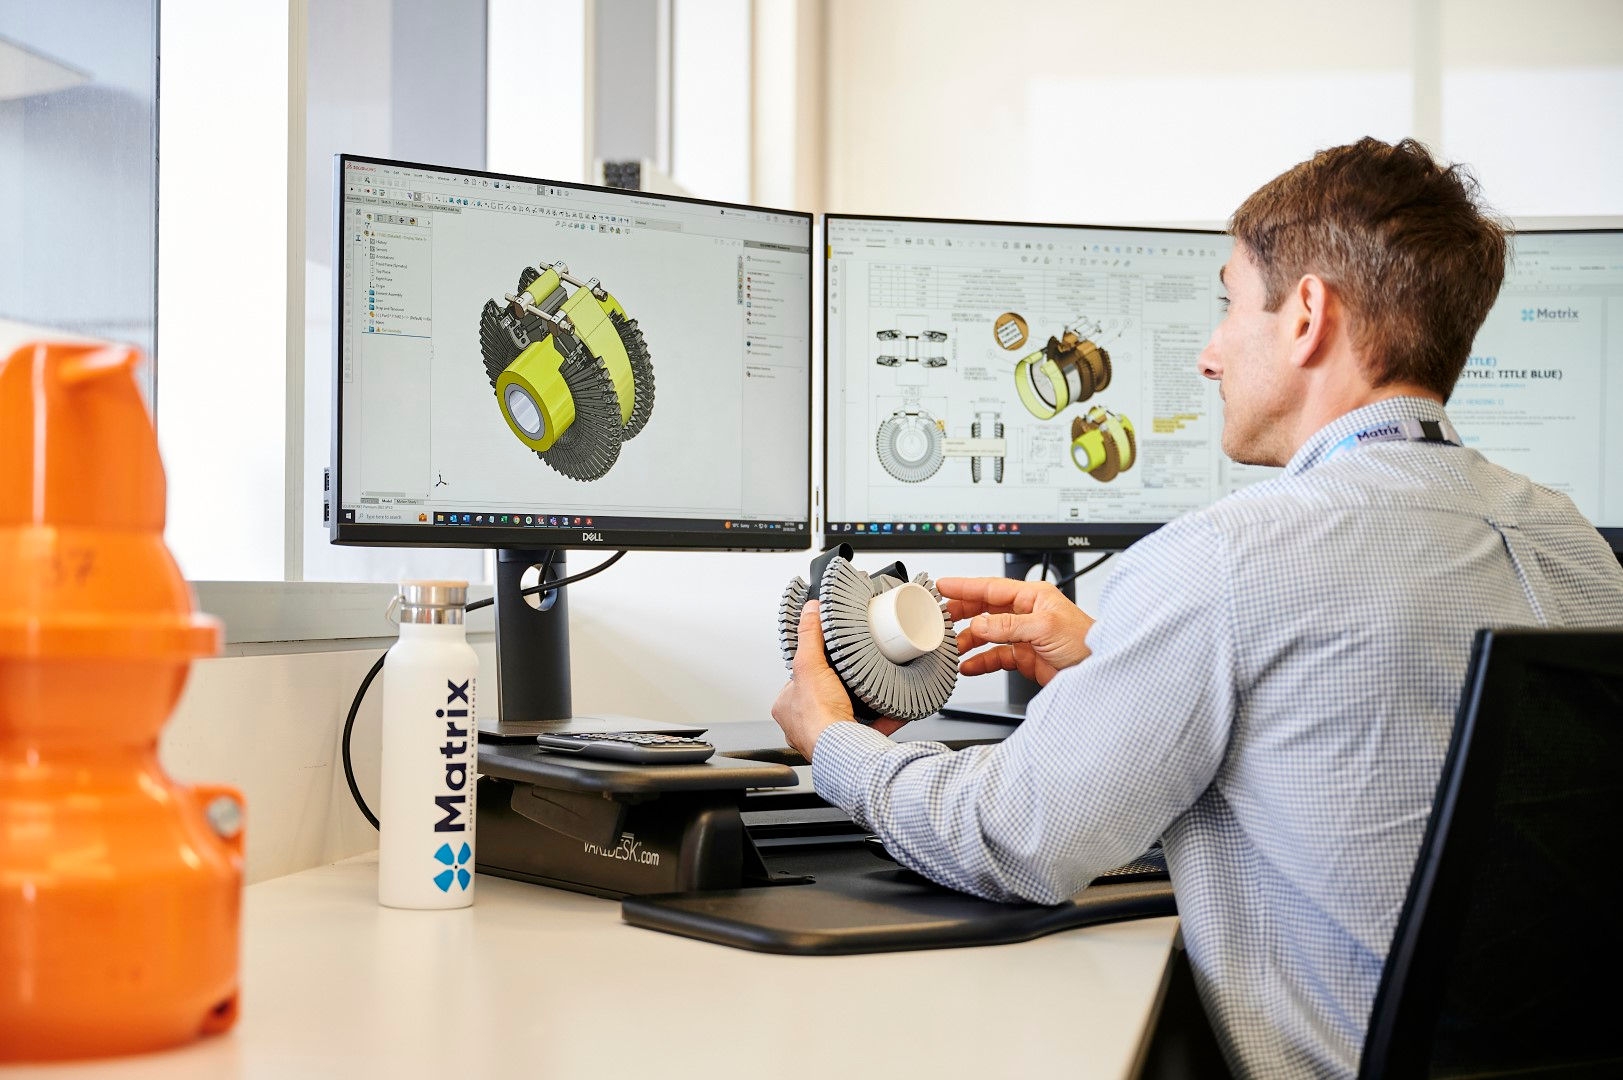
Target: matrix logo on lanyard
[(456, 772), (1405, 430)]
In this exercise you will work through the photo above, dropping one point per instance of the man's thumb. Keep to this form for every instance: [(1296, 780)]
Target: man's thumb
[(810, 642)]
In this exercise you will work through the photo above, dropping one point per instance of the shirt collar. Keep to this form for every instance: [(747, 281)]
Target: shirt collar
[(1397, 408)]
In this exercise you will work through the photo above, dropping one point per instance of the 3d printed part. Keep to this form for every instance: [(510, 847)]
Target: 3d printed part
[(1103, 444), (120, 889), (987, 425), (906, 622), (911, 446), (571, 371), (1068, 370), (896, 654), (1011, 330)]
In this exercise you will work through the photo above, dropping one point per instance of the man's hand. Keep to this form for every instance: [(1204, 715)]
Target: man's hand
[(814, 697), (1034, 629)]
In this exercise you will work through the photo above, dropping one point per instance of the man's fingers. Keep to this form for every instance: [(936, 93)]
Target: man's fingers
[(969, 641), (968, 609), (989, 594), (1019, 658), (1002, 629), (984, 662), (1005, 627), (1001, 658)]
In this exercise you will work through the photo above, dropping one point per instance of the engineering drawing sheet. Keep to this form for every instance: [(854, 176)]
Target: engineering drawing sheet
[(1021, 373)]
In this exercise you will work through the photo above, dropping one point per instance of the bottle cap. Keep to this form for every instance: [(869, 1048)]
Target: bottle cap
[(432, 601)]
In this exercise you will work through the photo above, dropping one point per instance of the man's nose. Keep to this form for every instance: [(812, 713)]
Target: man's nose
[(1207, 362)]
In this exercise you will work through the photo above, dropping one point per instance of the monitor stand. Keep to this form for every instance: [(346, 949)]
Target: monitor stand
[(532, 660), (1019, 690)]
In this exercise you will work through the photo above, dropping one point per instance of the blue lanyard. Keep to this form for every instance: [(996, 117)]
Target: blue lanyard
[(1405, 430)]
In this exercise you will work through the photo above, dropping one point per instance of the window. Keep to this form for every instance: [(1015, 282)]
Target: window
[(77, 168)]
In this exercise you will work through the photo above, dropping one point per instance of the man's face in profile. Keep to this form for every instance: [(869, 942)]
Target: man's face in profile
[(1247, 356)]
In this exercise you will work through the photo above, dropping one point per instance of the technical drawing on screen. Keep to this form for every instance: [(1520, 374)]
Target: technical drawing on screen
[(1012, 378)]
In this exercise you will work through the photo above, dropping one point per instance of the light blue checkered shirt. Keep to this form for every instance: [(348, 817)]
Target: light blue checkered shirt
[(1271, 692)]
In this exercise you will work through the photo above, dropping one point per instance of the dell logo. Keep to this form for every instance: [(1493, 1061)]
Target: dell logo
[(591, 537), (1079, 541)]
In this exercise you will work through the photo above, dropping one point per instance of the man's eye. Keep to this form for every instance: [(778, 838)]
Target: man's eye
[(1225, 302)]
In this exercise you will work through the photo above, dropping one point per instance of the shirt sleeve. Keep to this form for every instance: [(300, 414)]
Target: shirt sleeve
[(1112, 751)]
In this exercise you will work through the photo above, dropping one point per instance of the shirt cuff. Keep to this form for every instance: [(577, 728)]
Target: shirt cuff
[(844, 754)]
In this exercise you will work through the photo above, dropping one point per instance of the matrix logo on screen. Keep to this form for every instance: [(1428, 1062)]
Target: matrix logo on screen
[(1545, 314)]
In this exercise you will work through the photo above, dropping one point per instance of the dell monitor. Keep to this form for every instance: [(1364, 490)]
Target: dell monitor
[(535, 366), (1020, 388)]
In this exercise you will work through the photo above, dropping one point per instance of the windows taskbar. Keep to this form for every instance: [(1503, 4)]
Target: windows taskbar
[(485, 519), (1082, 534)]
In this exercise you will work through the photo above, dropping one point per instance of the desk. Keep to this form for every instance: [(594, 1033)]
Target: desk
[(537, 982)]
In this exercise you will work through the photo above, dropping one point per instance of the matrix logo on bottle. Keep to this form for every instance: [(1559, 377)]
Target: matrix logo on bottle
[(455, 800), (457, 862)]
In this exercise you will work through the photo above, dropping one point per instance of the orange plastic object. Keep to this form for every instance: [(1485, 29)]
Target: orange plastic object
[(119, 889)]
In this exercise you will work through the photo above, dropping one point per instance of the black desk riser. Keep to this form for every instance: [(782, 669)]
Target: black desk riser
[(674, 843)]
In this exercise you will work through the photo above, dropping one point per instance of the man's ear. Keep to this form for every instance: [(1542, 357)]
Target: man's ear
[(1311, 306)]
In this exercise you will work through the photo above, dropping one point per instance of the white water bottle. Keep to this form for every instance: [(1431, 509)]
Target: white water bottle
[(430, 750)]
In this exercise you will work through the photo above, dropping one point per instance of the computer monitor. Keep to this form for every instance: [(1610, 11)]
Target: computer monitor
[(1021, 388), (1542, 392), (534, 366)]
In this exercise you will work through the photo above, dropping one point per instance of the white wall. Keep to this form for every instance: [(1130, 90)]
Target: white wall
[(1098, 112), (269, 725), (787, 73), (711, 98), (537, 115), (1531, 95), (1066, 110)]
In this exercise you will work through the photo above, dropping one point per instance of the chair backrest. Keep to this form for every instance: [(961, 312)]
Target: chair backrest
[(1509, 950)]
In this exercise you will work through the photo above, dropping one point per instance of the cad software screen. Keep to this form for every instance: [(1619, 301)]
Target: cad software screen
[(1542, 392), (518, 358), (1026, 385)]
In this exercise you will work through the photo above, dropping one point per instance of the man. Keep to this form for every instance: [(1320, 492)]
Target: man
[(1271, 682)]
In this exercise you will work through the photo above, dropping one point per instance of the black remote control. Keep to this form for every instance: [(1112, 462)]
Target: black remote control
[(632, 747)]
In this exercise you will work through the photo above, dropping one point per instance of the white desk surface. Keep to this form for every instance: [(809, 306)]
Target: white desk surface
[(536, 982)]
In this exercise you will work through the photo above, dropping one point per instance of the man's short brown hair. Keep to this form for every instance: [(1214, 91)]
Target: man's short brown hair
[(1406, 244)]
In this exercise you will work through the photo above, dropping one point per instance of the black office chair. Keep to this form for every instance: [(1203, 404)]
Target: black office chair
[(1509, 949)]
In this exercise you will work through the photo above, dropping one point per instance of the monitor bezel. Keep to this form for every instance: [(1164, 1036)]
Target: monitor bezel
[(537, 537), (1089, 536)]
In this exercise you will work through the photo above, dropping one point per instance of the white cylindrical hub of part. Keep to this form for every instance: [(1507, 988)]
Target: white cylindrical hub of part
[(906, 622)]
